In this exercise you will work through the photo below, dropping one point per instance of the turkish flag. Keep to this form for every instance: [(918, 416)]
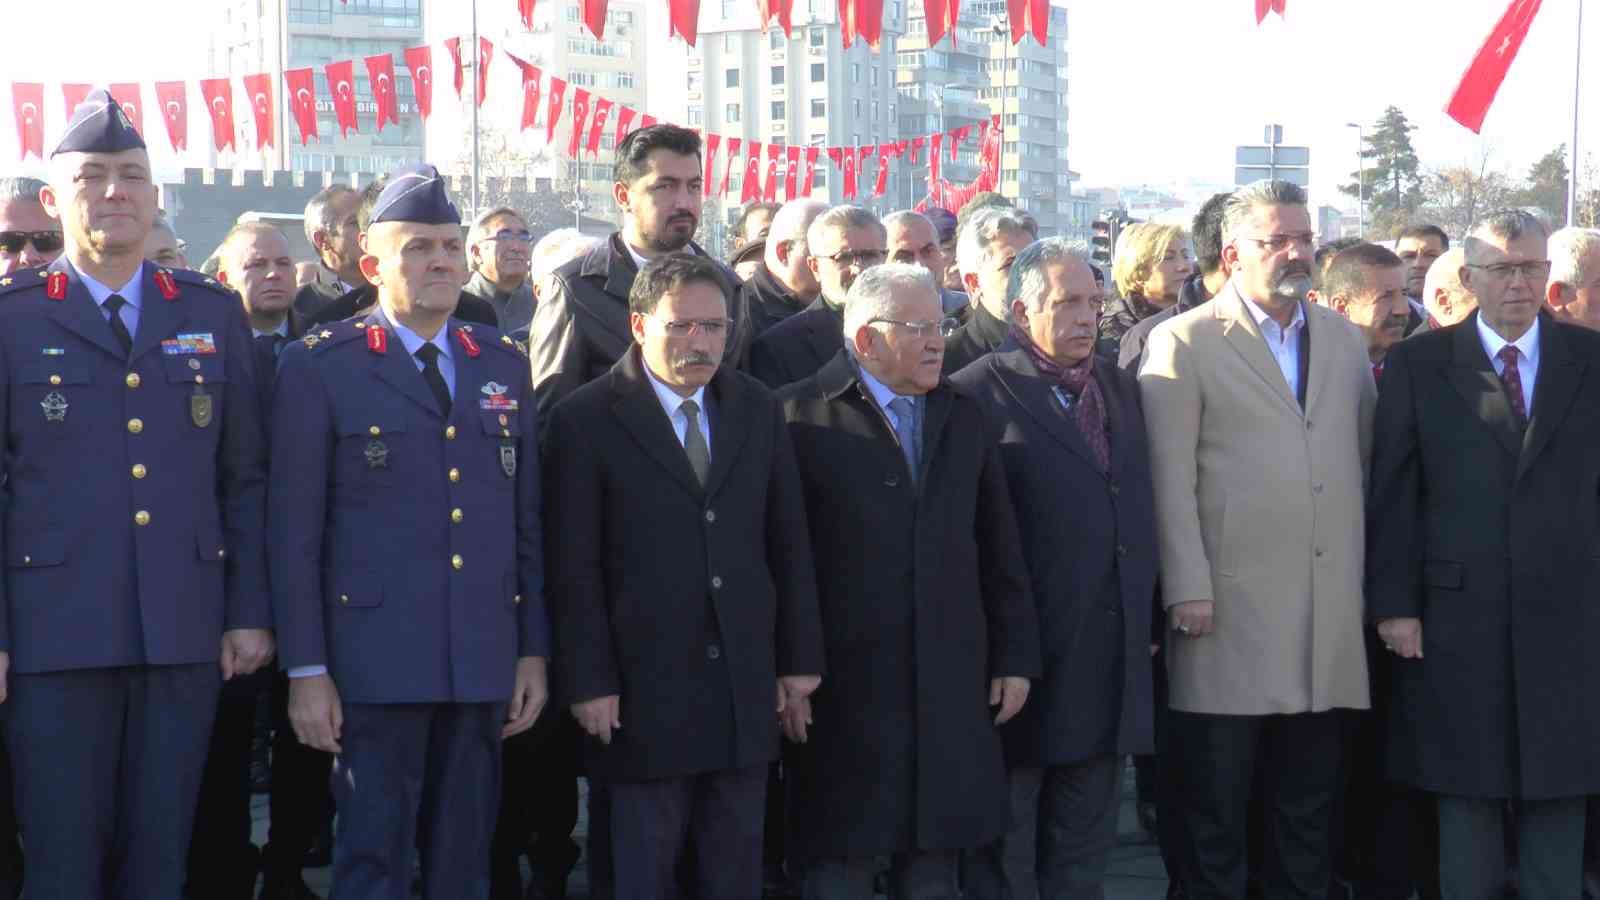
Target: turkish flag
[(727, 173), (712, 142), (73, 94), (881, 186), (864, 18), (958, 136), (625, 124), (1482, 80), (531, 76), (342, 84), (1034, 15), (594, 16), (916, 149), (580, 114), (485, 54), (525, 8), (810, 178), (750, 188), (1265, 6), (127, 97), (173, 98), (553, 107), (27, 101), (683, 17), (941, 17), (454, 46), (420, 61), (301, 88), (769, 190), (647, 120), (219, 104), (933, 156), (602, 114), (850, 173), (783, 9), (380, 75), (791, 174), (259, 89)]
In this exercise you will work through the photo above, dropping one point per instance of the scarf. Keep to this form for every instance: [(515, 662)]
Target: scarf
[(1089, 404)]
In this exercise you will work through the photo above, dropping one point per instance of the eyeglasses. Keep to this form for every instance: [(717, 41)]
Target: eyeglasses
[(865, 259), (1278, 243), (506, 234), (944, 327), (682, 328), (43, 241), (1532, 271)]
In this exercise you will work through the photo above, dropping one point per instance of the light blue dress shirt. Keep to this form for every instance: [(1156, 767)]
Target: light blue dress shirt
[(133, 292)]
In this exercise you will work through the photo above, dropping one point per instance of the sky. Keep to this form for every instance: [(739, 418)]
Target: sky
[(1160, 91)]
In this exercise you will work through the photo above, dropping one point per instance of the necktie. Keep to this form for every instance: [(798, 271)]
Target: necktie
[(119, 329), (429, 354), (694, 443), (273, 342), (905, 426), (1511, 377)]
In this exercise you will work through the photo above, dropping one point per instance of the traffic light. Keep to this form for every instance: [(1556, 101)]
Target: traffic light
[(1104, 242)]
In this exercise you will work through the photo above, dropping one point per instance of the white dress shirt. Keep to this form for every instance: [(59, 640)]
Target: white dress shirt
[(1528, 363), (281, 331), (672, 405), (1283, 342), (133, 292)]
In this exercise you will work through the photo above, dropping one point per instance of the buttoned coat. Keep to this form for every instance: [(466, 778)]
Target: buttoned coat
[(1259, 509), (797, 347), (687, 602), (924, 598)]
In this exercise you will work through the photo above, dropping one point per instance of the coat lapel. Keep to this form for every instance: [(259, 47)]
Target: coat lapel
[(159, 318), (730, 428), (1020, 377), (1240, 329), (79, 313), (1321, 368), (1557, 385), (935, 412), (471, 376), (639, 410), (395, 368), (1474, 378), (1105, 374)]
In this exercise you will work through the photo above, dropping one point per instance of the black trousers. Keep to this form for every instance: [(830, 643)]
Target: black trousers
[(721, 812), (1473, 850), (302, 799), (1063, 829), (10, 846), (917, 875), (222, 861), (1217, 756), (538, 805)]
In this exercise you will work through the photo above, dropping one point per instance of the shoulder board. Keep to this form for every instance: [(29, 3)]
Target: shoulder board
[(322, 337), (503, 341), (20, 280)]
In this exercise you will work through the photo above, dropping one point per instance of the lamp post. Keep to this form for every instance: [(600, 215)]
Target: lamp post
[(1577, 79), (1361, 185), (477, 79), (1000, 31)]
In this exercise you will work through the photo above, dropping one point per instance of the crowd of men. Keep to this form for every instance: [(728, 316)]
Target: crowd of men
[(858, 563)]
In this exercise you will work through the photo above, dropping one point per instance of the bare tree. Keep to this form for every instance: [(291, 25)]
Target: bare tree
[(1454, 197)]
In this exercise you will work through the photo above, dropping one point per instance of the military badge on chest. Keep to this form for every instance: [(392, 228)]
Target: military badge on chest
[(496, 397), (54, 406), (377, 452)]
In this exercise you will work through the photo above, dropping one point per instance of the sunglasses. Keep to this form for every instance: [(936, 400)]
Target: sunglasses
[(12, 242)]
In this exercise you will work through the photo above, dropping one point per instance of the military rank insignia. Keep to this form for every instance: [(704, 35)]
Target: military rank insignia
[(200, 407), (55, 286), (54, 406), (166, 284), (496, 397), (377, 454), (465, 339), (508, 458), (378, 340)]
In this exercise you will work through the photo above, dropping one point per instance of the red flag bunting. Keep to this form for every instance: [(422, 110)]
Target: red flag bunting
[(863, 18), (1031, 15), (783, 9), (625, 124), (73, 94), (380, 74), (420, 61), (1470, 103), (733, 160), (554, 106), (810, 177), (769, 189), (485, 54), (454, 46), (525, 9), (941, 17), (531, 77), (602, 115), (850, 163), (916, 150), (791, 174), (341, 83), (750, 186), (935, 140), (301, 87), (1265, 6), (683, 17), (259, 89), (218, 93), (594, 16), (958, 136), (712, 142), (647, 120), (27, 102), (580, 114), (880, 186), (173, 98), (127, 97)]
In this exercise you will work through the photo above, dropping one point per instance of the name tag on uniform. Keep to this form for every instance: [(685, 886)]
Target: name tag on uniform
[(199, 343)]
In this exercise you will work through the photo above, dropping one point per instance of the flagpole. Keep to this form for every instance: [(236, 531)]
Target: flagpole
[(1577, 81), (477, 79)]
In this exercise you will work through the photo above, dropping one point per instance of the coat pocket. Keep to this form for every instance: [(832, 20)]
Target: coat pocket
[(357, 591), (36, 550), (1443, 574)]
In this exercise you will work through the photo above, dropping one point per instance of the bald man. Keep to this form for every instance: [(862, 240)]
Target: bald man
[(1447, 299), (784, 285)]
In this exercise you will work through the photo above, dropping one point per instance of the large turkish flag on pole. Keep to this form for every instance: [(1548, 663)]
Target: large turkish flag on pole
[(301, 87), (1482, 81), (783, 9), (73, 94), (683, 18)]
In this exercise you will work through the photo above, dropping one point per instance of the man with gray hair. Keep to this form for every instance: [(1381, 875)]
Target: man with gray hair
[(163, 246), (842, 243), (1446, 300), (1259, 406), (1573, 290), (29, 236), (928, 625), (498, 247), (784, 286), (1045, 391), (1481, 567), (914, 239), (988, 242), (334, 233)]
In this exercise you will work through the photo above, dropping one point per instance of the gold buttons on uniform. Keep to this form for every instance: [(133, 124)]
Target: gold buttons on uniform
[(55, 379), (456, 516), (455, 474), (133, 380), (450, 433), (139, 471), (374, 431), (221, 552), (517, 599), (457, 562), (141, 518), (28, 560), (135, 426), (504, 420), (199, 379), (344, 598)]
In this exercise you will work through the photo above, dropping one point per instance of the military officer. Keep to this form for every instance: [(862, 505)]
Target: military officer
[(405, 556), (132, 494)]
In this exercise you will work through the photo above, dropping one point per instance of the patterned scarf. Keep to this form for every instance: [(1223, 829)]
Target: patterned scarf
[(1089, 404)]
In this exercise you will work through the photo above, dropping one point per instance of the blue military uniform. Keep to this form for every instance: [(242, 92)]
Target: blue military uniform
[(132, 494), (407, 562)]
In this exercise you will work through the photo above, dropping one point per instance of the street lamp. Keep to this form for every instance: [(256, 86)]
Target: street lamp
[(577, 203), (997, 25), (1361, 185)]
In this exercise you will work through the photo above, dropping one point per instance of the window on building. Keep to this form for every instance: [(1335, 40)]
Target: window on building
[(819, 108), (775, 40), (624, 79), (872, 74), (819, 72), (818, 139), (731, 78), (821, 182), (855, 73), (621, 17), (779, 111), (855, 109), (695, 81), (730, 43), (697, 115), (581, 79), (874, 110), (817, 37), (777, 75), (731, 113)]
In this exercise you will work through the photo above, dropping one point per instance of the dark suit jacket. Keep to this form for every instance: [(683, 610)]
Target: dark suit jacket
[(362, 300), (580, 327), (309, 300), (267, 362), (1089, 540), (1490, 534), (982, 334), (688, 602), (768, 301), (798, 346), (924, 597)]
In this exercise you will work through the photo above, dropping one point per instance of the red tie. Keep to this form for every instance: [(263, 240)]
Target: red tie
[(1512, 379)]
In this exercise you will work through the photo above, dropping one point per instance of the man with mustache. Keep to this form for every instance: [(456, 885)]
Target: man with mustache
[(580, 328), (682, 588), (1418, 247), (1366, 284), (1259, 406), (498, 249)]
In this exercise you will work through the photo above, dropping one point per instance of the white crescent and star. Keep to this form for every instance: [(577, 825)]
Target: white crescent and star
[(219, 107), (383, 80), (343, 87), (422, 74), (261, 101), (173, 110), (29, 112), (303, 97)]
